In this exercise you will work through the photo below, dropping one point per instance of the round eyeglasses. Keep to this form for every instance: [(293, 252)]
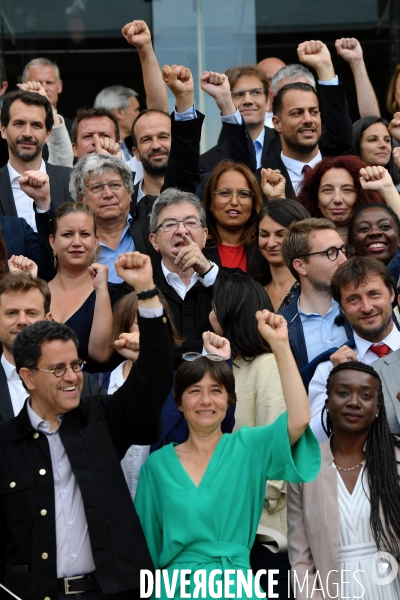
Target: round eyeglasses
[(61, 369), (226, 194), (332, 253)]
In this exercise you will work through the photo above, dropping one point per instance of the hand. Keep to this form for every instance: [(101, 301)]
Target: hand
[(396, 156), (394, 127), (375, 178), (217, 86), (273, 184), (215, 344), (272, 327), (137, 34), (107, 146), (349, 49), (315, 54), (36, 185), (18, 264), (191, 256), (180, 81), (135, 269), (99, 275), (344, 354), (128, 345), (36, 86)]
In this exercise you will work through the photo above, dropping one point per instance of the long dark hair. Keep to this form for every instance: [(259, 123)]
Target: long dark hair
[(236, 300), (284, 212), (358, 129), (381, 464)]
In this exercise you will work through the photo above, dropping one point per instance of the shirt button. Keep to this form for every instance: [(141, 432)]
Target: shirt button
[(59, 464), (70, 522), (73, 555), (42, 472), (36, 435), (328, 341), (64, 491), (12, 484), (45, 556), (43, 512)]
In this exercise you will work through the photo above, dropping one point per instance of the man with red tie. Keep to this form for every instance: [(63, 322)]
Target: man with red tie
[(365, 291)]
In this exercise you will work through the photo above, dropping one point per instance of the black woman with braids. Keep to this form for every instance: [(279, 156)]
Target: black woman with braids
[(339, 522)]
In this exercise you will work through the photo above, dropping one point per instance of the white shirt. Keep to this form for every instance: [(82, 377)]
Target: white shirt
[(23, 203), (181, 289), (317, 387), (295, 169), (136, 166), (268, 120), (140, 192), (18, 393)]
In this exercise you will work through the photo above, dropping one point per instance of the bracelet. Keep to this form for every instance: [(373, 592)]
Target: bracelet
[(212, 265), (147, 294)]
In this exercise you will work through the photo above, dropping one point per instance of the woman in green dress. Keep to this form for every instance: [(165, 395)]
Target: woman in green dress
[(200, 502)]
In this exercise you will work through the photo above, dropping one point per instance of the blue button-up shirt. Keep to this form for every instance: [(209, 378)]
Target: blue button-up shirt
[(320, 331), (108, 255)]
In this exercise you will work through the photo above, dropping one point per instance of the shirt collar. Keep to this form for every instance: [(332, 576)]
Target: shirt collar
[(260, 138), (36, 421), (333, 308), (9, 369), (15, 175), (117, 376), (392, 340), (296, 166), (170, 277), (140, 192)]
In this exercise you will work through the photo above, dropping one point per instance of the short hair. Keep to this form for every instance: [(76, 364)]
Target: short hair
[(357, 271), (309, 186), (236, 300), (90, 113), (24, 282), (27, 346), (39, 62), (297, 244), (114, 96), (361, 209), (283, 211), (172, 196), (289, 72), (146, 111), (191, 372), (71, 208), (31, 99), (97, 164), (277, 103), (391, 102), (235, 73), (248, 236)]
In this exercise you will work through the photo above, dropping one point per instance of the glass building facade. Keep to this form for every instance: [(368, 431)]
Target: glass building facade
[(84, 38)]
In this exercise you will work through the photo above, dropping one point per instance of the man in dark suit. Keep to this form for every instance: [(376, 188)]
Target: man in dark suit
[(26, 124), (74, 528), (23, 301)]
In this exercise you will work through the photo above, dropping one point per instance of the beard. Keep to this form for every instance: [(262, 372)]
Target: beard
[(25, 156), (366, 331), (299, 147), (154, 168)]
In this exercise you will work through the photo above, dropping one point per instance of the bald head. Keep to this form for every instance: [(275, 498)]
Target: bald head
[(271, 65)]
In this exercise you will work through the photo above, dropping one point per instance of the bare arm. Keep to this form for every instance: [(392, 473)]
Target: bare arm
[(273, 329), (100, 340), (379, 179), (350, 50), (138, 34)]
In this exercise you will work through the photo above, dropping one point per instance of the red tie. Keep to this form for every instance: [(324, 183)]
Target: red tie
[(380, 349), (306, 168)]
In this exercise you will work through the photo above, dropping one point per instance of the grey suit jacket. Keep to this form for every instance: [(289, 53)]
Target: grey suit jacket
[(59, 182), (388, 368), (90, 387)]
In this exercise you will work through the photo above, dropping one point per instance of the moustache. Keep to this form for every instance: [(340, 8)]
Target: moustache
[(30, 140)]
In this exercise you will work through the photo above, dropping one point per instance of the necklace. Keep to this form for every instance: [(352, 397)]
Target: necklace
[(350, 469), (286, 290)]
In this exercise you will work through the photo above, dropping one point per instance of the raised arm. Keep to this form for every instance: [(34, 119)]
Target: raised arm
[(350, 50), (273, 329), (137, 34), (100, 340), (378, 179)]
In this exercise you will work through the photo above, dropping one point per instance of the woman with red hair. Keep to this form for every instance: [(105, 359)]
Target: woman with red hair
[(338, 185)]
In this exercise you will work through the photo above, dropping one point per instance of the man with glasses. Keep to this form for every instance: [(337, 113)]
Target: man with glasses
[(313, 250), (68, 527)]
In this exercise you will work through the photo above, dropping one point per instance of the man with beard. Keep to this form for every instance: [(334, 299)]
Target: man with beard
[(364, 289), (26, 124)]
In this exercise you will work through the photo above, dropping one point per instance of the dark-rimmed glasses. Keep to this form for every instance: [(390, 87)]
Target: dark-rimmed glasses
[(244, 195), (332, 253), (254, 93), (190, 223), (61, 369), (113, 186)]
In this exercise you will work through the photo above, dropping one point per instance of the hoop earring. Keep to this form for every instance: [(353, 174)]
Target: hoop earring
[(54, 259)]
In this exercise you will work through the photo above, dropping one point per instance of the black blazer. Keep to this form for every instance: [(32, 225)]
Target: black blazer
[(59, 182), (96, 435)]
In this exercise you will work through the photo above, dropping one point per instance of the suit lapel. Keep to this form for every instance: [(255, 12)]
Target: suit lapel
[(6, 409), (7, 204)]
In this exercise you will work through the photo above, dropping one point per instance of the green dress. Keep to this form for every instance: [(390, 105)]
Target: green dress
[(213, 526)]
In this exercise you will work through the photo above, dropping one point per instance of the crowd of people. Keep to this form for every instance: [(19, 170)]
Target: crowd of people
[(200, 353)]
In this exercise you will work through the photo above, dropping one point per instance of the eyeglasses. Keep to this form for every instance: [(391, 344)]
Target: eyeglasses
[(332, 253), (191, 356), (190, 223), (61, 369), (113, 186), (254, 93), (226, 194)]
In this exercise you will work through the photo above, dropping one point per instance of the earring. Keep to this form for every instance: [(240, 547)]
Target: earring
[(54, 259), (377, 415)]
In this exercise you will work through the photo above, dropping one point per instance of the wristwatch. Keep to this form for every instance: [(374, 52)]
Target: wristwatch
[(212, 265), (147, 294)]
